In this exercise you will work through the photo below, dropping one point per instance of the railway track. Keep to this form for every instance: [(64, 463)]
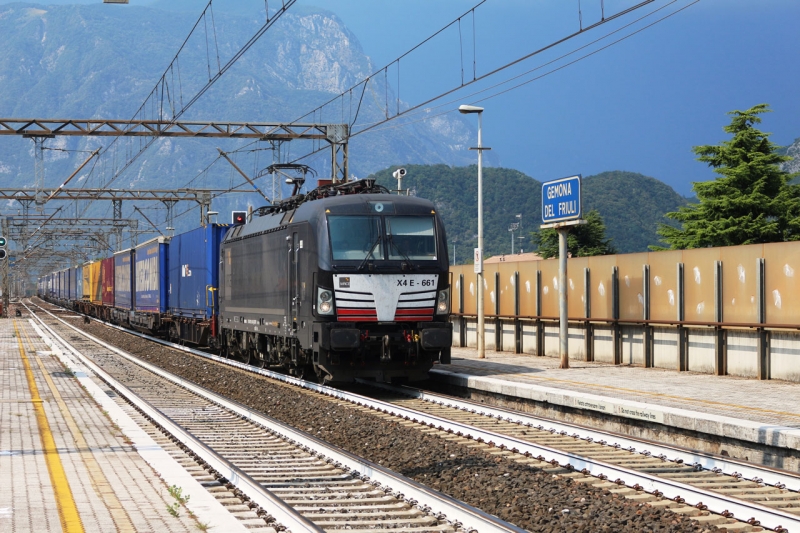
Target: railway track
[(292, 479), (710, 489), (760, 485)]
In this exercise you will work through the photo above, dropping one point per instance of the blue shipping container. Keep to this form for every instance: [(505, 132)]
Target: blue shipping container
[(123, 280), (63, 285), (72, 284), (78, 282), (150, 280), (194, 272)]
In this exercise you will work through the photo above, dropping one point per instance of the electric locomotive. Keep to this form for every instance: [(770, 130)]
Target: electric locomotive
[(349, 281)]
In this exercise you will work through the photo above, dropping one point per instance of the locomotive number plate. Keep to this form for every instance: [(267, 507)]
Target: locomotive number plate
[(425, 283)]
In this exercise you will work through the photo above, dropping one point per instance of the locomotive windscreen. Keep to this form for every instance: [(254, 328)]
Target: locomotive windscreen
[(411, 237), (352, 237), (371, 237)]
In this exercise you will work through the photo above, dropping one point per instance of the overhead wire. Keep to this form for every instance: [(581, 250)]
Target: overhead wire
[(539, 67), (372, 127)]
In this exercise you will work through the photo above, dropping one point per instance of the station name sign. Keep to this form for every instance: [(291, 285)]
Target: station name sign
[(561, 200)]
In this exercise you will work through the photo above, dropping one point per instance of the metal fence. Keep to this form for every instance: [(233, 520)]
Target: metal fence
[(753, 288)]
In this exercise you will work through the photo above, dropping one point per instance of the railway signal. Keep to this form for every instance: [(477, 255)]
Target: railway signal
[(3, 253), (239, 217)]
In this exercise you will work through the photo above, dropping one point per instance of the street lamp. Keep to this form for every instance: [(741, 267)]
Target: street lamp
[(512, 228), (469, 109)]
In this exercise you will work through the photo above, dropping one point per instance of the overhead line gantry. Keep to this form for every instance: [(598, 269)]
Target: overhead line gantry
[(336, 135)]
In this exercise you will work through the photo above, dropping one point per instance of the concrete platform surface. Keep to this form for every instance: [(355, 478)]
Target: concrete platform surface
[(67, 466), (764, 412)]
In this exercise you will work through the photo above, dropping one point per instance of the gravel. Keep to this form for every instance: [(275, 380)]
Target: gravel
[(525, 496)]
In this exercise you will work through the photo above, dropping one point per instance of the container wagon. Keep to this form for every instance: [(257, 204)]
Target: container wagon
[(193, 286), (150, 285)]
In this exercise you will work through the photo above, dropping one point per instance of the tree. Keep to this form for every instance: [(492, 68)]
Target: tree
[(584, 240), (750, 202)]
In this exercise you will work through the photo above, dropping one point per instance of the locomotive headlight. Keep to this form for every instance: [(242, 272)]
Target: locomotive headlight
[(324, 301), (443, 302)]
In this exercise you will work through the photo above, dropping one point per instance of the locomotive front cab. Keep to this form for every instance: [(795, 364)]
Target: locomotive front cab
[(383, 289)]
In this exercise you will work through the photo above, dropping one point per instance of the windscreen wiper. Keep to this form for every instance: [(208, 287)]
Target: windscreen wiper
[(391, 241), (371, 248)]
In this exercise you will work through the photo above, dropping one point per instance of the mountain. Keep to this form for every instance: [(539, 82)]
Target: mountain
[(99, 61), (792, 150), (632, 205)]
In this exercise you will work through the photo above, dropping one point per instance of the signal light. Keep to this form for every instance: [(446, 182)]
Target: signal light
[(3, 253), (2, 242), (239, 217)]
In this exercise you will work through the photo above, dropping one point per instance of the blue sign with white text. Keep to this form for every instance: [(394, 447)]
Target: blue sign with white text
[(561, 200)]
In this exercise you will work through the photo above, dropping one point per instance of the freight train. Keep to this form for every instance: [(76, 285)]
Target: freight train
[(347, 281)]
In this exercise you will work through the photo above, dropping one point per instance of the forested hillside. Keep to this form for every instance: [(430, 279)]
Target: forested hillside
[(631, 204)]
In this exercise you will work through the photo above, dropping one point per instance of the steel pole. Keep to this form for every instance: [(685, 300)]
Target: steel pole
[(481, 333), (563, 326)]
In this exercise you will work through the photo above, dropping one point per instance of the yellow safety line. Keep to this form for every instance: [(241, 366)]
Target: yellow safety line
[(660, 395), (67, 510), (99, 481)]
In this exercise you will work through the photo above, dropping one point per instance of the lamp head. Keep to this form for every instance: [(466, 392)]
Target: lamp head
[(466, 109)]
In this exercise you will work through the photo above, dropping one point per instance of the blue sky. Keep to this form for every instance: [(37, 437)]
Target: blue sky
[(638, 106)]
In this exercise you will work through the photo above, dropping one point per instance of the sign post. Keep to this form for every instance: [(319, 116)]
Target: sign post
[(561, 209)]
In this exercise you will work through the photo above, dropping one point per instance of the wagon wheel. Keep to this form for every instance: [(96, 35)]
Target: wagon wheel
[(246, 356), (259, 360), (172, 333)]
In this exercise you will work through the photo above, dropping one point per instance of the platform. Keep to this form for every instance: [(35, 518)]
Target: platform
[(760, 412), (72, 460)]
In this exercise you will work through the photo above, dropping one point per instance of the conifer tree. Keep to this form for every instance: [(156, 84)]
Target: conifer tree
[(584, 240), (751, 201)]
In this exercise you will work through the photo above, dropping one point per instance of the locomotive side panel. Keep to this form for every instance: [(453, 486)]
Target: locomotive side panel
[(255, 283)]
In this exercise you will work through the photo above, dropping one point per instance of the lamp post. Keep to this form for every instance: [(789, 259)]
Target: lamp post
[(512, 228), (469, 109)]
